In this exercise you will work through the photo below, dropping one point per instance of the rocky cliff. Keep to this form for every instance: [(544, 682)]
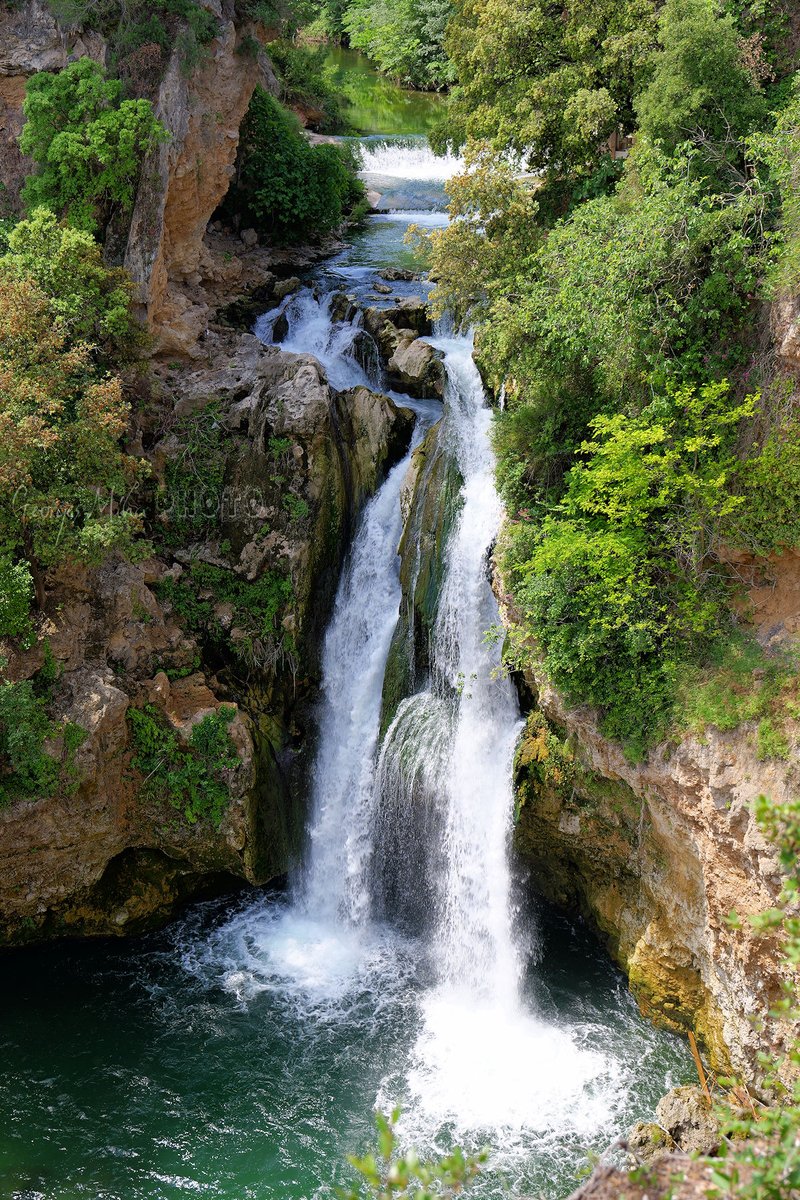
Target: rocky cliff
[(258, 470), (185, 632), (657, 855)]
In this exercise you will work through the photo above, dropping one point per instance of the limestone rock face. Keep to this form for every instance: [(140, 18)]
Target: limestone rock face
[(185, 179), (105, 856), (64, 859), (657, 855)]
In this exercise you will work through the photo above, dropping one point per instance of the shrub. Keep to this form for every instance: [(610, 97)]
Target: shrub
[(619, 587), (16, 595), (258, 607), (28, 769), (285, 187), (190, 777), (63, 476), (305, 81), (87, 143), (90, 301)]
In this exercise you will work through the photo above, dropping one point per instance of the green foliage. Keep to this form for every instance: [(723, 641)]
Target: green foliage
[(771, 742), (286, 188), (189, 776), (778, 150), (306, 81), (30, 768), (87, 144), (547, 82), (258, 609), (616, 582), (737, 683), (91, 302), (769, 481), (296, 506), (194, 479), (389, 1174), (405, 38), (700, 88), (26, 769), (62, 473), (16, 596)]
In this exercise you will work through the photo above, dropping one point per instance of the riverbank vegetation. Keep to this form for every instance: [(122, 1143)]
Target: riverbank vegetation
[(622, 303), (406, 39)]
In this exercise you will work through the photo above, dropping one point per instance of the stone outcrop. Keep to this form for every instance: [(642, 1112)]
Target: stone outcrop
[(657, 855), (412, 365), (184, 180), (104, 855), (70, 863)]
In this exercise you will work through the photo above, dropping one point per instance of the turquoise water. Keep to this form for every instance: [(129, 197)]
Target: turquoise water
[(139, 1070)]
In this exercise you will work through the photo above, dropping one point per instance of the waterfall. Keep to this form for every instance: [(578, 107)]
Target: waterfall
[(399, 929), (408, 158), (451, 745)]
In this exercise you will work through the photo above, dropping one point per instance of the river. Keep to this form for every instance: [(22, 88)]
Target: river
[(241, 1052)]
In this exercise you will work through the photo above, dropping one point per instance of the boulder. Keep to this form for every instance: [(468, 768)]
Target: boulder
[(417, 368), (687, 1117), (286, 287)]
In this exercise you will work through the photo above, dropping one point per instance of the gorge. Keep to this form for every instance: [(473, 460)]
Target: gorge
[(326, 825)]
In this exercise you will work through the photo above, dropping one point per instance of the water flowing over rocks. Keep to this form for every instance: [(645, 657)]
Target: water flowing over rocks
[(103, 859)]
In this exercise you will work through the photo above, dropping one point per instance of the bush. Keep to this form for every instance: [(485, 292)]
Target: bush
[(87, 143), (63, 476), (619, 588), (29, 770), (258, 609), (305, 81), (286, 188), (189, 776), (90, 301)]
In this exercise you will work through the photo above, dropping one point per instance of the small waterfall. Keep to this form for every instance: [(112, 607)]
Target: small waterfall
[(409, 159), (344, 347)]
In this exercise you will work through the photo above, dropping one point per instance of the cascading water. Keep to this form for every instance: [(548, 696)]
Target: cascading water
[(396, 970), (405, 893)]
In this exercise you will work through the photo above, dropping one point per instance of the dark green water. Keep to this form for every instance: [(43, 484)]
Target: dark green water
[(375, 104), (176, 1065)]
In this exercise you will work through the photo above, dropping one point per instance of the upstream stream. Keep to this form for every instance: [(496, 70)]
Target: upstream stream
[(241, 1053)]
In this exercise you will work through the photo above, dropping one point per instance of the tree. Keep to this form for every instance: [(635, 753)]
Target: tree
[(404, 37), (91, 301), (62, 473), (547, 81), (700, 88), (285, 187), (87, 142)]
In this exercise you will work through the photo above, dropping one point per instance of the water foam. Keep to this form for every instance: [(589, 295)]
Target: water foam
[(409, 159)]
